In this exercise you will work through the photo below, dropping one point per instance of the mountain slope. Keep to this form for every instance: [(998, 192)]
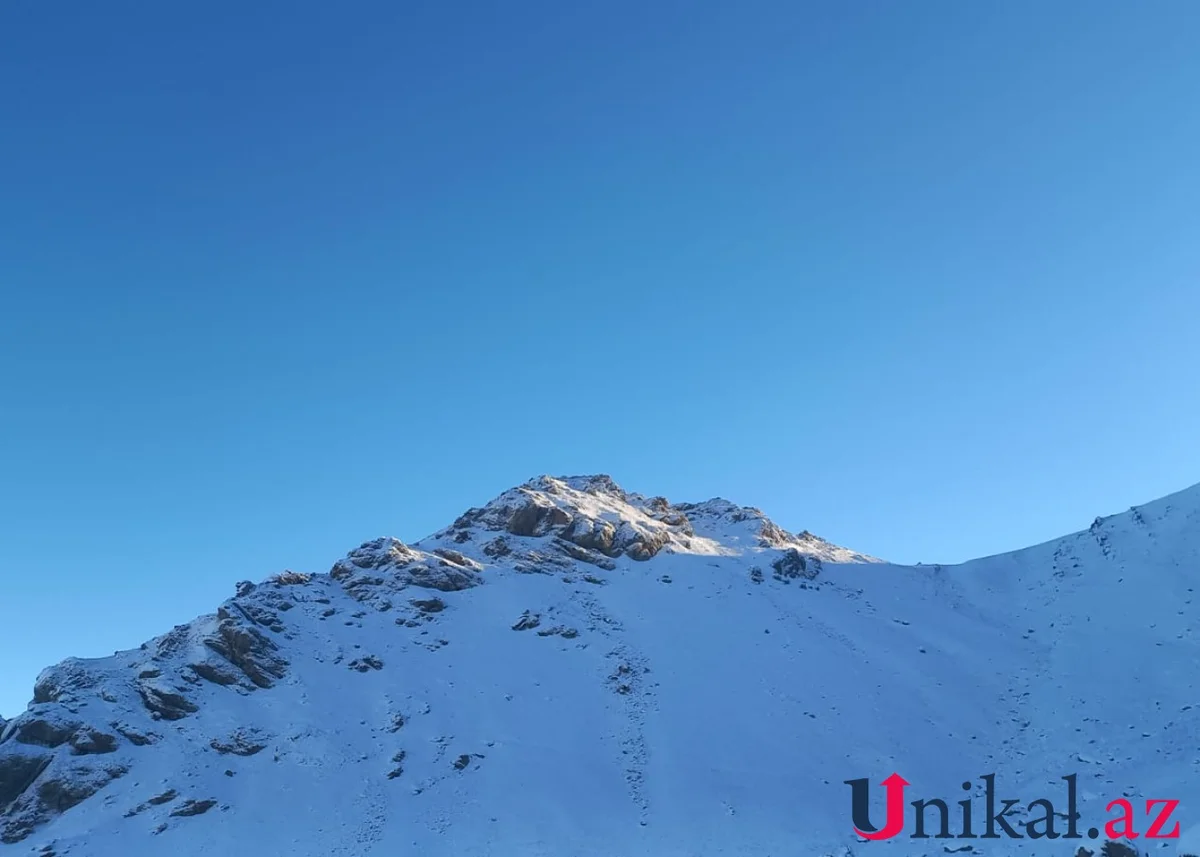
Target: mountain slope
[(575, 670)]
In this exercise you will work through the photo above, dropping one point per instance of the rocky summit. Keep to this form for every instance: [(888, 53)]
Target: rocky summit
[(576, 670)]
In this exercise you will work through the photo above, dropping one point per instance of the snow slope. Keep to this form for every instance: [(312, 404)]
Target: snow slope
[(573, 670)]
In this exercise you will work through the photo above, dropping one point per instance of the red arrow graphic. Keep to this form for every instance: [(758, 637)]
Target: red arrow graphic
[(894, 822)]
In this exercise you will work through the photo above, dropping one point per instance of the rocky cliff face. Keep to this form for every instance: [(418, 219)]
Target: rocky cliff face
[(573, 668)]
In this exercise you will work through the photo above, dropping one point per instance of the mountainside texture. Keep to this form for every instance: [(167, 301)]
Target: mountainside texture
[(577, 671)]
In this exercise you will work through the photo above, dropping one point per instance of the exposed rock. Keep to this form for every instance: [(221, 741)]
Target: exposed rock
[(19, 767), (172, 643), (461, 763), (375, 554), (444, 578), (256, 614), (793, 564), (133, 736), (242, 742), (398, 761), (592, 535), (248, 650), (62, 791), (773, 536), (157, 800), (527, 621), (214, 673), (166, 704), (582, 554), (88, 741), (429, 605), (363, 587), (536, 519), (539, 562), (390, 564), (64, 682), (194, 807), (497, 548), (366, 664), (457, 558), (290, 578), (244, 588), (559, 631), (645, 545), (44, 729)]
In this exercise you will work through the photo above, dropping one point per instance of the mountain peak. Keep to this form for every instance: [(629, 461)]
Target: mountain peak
[(594, 513)]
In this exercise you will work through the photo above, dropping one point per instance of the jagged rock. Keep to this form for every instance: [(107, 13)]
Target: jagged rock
[(61, 790), (46, 729), (429, 605), (133, 736), (244, 588), (591, 535), (456, 558), (213, 673), (363, 587), (793, 564), (582, 554), (194, 807), (398, 761), (366, 664), (497, 548), (290, 578), (536, 519), (256, 614), (157, 800), (559, 631), (443, 578), (527, 621), (19, 767), (240, 743), (166, 704), (646, 545), (395, 565), (373, 555), (248, 650), (774, 536), (88, 741), (64, 682), (538, 562)]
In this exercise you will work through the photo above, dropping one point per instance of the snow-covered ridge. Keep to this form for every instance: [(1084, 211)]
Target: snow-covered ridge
[(573, 669)]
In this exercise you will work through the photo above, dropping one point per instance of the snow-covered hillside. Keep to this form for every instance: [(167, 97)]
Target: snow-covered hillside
[(572, 670)]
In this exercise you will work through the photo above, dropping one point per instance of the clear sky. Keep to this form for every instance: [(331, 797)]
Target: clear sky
[(280, 277)]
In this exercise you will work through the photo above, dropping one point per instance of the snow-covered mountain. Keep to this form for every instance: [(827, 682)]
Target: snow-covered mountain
[(573, 670)]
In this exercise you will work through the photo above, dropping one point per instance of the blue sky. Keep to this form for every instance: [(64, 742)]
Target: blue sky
[(277, 278)]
